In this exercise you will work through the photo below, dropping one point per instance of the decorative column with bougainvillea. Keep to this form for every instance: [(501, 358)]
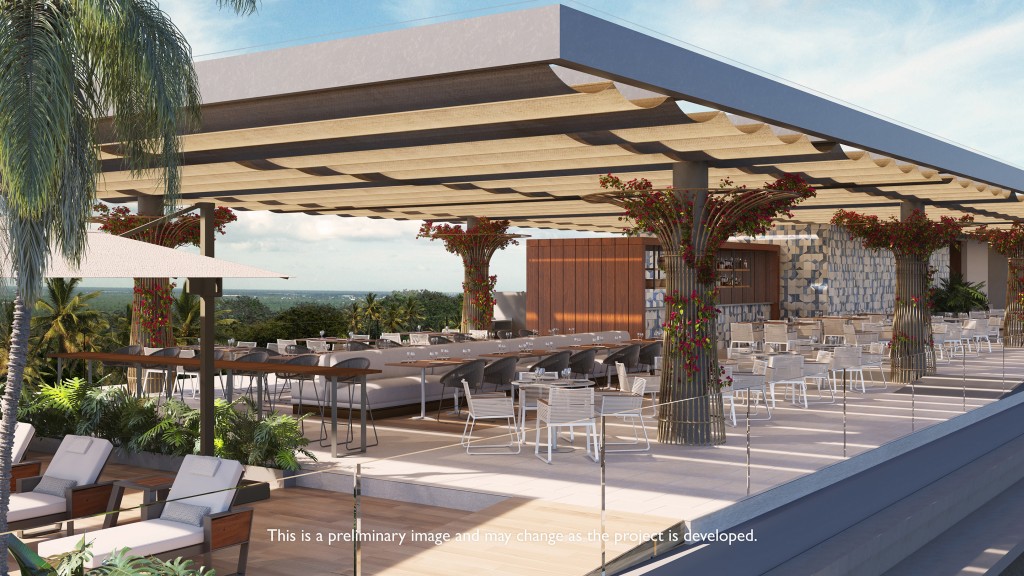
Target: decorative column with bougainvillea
[(1010, 243), (151, 303), (691, 225), (476, 244), (912, 241)]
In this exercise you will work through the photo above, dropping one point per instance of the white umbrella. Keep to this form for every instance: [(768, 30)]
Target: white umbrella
[(109, 256)]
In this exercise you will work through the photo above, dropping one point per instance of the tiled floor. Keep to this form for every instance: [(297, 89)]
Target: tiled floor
[(652, 490)]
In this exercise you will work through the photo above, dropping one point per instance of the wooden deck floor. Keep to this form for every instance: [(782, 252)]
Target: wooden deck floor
[(514, 536)]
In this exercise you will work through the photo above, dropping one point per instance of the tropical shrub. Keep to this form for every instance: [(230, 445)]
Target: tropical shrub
[(138, 424), (73, 562), (957, 295), (273, 441)]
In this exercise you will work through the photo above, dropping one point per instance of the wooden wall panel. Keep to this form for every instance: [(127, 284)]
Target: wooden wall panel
[(595, 284), (594, 321), (532, 283), (544, 309), (582, 285)]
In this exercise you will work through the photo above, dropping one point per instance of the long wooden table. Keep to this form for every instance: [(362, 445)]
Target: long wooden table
[(328, 372)]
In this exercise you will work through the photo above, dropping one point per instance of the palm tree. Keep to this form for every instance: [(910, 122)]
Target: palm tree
[(185, 310), (66, 63), (412, 311), (64, 320), (353, 317), (392, 318), (372, 310)]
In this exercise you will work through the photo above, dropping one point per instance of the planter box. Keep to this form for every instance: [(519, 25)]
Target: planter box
[(44, 445), (150, 460), (274, 477), (250, 491)]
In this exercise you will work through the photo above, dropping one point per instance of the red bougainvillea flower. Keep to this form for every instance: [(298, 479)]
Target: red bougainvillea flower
[(670, 215)]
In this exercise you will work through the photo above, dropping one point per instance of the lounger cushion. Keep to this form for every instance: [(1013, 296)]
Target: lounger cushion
[(23, 434), (184, 513), (78, 444), (83, 468), (193, 486), (140, 538), (54, 486), (27, 505)]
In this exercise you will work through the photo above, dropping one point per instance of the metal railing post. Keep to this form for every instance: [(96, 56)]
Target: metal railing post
[(603, 509), (748, 442), (844, 412), (357, 522)]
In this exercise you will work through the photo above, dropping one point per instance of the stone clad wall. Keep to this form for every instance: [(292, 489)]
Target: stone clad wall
[(859, 280), (803, 261)]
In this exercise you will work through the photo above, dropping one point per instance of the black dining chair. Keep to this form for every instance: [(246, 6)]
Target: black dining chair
[(287, 377), (112, 366), (189, 373), (501, 373), (582, 362), (353, 385), (628, 355), (257, 356), (648, 352), (472, 372), (440, 340), (554, 363)]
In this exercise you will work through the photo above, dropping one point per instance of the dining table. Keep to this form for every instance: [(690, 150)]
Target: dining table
[(424, 365), (541, 382), (531, 353), (595, 346)]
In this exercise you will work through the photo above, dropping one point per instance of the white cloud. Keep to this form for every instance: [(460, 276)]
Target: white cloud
[(270, 231), (403, 10), (207, 28)]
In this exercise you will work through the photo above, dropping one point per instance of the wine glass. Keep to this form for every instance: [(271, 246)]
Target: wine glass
[(566, 372), (465, 352), (502, 347), (322, 332), (572, 330), (231, 342), (411, 355), (554, 331), (444, 354)]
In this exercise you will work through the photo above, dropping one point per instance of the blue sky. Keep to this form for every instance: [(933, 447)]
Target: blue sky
[(953, 69)]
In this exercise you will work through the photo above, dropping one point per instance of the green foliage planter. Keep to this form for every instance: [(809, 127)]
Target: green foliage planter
[(138, 426), (121, 563), (956, 295)]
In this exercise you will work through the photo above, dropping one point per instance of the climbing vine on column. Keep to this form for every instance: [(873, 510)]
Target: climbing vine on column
[(912, 241), (151, 304), (691, 225), (476, 245), (1010, 243)]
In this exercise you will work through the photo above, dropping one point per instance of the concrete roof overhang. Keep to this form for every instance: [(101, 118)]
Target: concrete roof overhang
[(515, 116)]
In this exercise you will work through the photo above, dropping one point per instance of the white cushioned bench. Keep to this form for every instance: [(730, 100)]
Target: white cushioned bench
[(400, 385)]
